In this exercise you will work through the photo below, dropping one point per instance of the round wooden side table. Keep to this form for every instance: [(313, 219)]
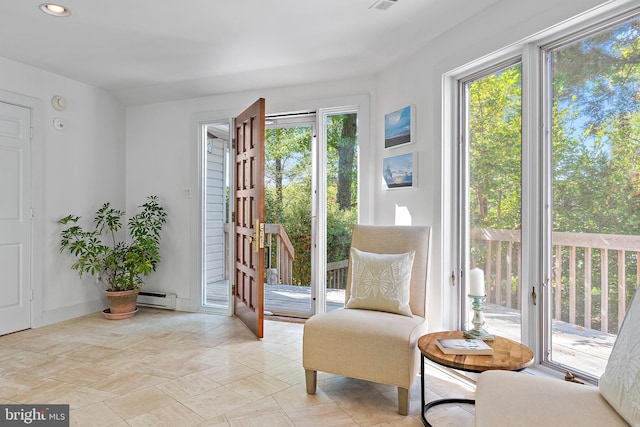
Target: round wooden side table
[(507, 355)]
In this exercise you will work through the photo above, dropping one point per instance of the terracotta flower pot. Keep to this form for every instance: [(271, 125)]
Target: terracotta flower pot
[(122, 304)]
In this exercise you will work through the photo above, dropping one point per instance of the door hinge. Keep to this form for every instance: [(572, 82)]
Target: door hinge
[(31, 214), (31, 132), (261, 241), (258, 235), (30, 294)]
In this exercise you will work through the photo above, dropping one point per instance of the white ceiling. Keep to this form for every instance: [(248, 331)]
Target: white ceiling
[(156, 50)]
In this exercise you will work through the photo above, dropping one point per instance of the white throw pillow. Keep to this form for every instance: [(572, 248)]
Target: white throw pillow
[(620, 383), (381, 281)]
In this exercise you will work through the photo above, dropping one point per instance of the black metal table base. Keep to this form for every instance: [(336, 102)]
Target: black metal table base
[(426, 406)]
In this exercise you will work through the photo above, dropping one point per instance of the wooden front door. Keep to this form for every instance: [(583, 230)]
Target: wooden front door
[(248, 289)]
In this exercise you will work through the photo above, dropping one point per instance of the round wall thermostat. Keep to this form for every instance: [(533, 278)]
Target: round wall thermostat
[(59, 103)]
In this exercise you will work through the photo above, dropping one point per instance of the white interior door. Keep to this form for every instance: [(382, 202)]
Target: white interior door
[(15, 218)]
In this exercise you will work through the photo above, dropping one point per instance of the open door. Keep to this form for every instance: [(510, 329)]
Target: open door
[(248, 288)]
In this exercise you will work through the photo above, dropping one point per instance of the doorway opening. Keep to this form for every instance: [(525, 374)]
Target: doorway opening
[(311, 204), (289, 178), (311, 197), (217, 294)]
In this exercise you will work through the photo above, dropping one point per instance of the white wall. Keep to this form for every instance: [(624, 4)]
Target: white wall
[(75, 170), (162, 144), (419, 81)]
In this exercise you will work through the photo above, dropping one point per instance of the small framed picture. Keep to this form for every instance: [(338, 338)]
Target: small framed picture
[(399, 127), (398, 171)]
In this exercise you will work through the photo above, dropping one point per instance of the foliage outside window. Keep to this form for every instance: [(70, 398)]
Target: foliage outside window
[(288, 175), (594, 176), (596, 180), (494, 125)]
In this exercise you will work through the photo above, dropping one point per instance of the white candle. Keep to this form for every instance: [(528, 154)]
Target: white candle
[(476, 282)]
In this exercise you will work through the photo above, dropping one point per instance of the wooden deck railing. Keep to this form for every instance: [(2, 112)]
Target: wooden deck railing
[(337, 274), (284, 252), (583, 268), (281, 254)]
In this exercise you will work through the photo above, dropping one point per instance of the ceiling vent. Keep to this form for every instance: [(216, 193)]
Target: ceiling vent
[(383, 4)]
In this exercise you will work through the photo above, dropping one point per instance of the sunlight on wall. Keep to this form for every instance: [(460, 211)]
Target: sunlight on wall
[(403, 216)]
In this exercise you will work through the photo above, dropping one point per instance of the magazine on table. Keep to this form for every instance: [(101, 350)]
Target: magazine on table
[(464, 346)]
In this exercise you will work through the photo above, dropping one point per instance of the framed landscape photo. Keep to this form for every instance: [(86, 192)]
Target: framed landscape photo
[(398, 171), (399, 127)]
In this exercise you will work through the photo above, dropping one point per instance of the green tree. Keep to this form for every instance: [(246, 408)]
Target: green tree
[(341, 183), (595, 133), (495, 147), (346, 146), (601, 72), (287, 157), (288, 188)]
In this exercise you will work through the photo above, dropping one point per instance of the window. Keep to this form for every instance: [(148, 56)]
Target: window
[(492, 172), (553, 218), (594, 182)]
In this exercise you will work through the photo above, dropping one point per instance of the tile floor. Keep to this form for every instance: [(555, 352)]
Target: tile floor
[(164, 368)]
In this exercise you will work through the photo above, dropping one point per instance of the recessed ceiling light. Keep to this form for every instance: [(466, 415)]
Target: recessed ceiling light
[(54, 9)]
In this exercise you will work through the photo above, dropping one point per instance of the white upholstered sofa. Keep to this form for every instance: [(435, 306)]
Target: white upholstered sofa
[(517, 399), (375, 342)]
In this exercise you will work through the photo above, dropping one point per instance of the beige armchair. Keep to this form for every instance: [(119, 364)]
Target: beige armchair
[(375, 340), (517, 399)]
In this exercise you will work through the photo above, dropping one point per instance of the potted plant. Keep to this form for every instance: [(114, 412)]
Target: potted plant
[(117, 265)]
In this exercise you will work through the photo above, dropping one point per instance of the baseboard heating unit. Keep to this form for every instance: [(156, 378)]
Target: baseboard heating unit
[(157, 300)]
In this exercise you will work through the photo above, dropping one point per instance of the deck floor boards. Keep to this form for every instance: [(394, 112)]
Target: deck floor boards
[(280, 299)]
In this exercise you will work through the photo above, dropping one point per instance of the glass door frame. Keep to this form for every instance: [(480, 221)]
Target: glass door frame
[(319, 194), (351, 103), (302, 119), (200, 123)]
